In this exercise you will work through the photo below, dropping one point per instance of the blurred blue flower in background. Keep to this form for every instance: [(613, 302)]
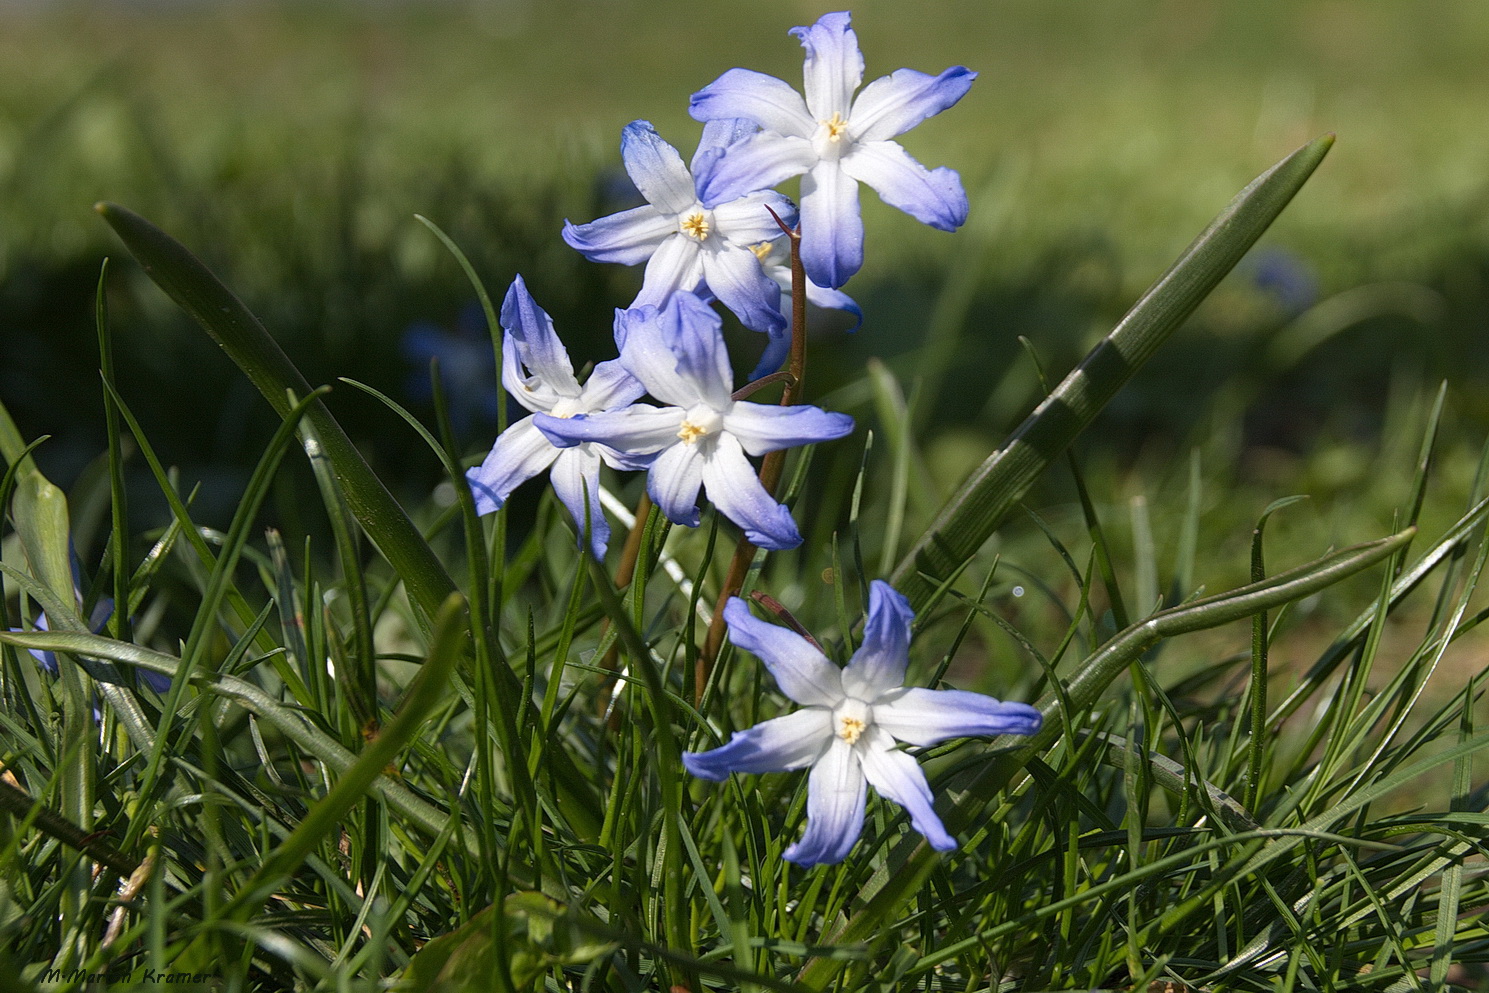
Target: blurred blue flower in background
[(1286, 277), (467, 367)]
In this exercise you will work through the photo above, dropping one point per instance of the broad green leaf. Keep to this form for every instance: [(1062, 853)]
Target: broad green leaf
[(995, 487), (224, 317)]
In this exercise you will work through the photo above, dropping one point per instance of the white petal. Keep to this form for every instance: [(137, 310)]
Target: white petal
[(834, 65), (747, 222), (520, 453), (898, 777), (673, 268), (736, 490), (656, 168), (794, 741), (928, 717), (673, 482), (835, 799)]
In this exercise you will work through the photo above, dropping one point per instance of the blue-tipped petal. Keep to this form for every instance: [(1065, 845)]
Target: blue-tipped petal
[(692, 333), (831, 227), (774, 356), (836, 790), (520, 453), (648, 339), (734, 276), (833, 67), (928, 717), (609, 386), (893, 104), (673, 482), (780, 745), (735, 489), (896, 776), (879, 664), (576, 480), (656, 168), (639, 429), (764, 100), (758, 162), (536, 343), (821, 296), (801, 671), (931, 196), (763, 428), (720, 134), (628, 238)]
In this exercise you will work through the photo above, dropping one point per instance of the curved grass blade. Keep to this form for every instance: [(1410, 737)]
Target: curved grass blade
[(286, 718), (428, 689), (224, 317), (994, 488)]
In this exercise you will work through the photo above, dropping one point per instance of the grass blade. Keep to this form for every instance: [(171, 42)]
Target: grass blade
[(995, 487)]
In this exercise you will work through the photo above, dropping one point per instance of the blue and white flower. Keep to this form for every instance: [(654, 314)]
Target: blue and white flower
[(702, 438), (689, 247), (834, 141), (775, 256), (548, 387), (849, 724)]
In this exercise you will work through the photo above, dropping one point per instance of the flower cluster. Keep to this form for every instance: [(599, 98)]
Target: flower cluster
[(711, 231), (715, 232)]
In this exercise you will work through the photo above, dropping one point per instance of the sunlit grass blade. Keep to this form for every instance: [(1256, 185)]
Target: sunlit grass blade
[(987, 496)]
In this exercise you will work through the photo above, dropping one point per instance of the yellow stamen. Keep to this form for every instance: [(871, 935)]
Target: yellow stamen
[(690, 432), (695, 225), (835, 127), (762, 250), (850, 728)]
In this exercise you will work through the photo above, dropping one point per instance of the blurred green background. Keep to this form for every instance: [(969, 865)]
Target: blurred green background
[(291, 144)]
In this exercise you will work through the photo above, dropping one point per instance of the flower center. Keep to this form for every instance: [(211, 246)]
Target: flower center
[(700, 422), (851, 719), (837, 128), (695, 225)]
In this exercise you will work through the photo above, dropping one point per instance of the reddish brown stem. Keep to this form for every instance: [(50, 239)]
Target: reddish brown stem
[(770, 469)]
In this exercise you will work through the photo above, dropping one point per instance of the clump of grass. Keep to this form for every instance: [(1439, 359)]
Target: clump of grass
[(433, 752)]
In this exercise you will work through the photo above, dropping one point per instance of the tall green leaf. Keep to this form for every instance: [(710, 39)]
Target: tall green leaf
[(970, 516), (224, 317)]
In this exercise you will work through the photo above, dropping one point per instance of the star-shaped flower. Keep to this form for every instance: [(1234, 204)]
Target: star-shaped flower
[(549, 387), (687, 247), (850, 721), (835, 141), (702, 438)]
